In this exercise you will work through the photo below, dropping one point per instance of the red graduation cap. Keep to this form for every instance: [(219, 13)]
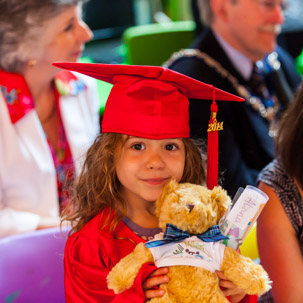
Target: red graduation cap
[(152, 102)]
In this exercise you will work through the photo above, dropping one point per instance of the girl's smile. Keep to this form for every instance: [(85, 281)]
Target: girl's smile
[(155, 181), (145, 165)]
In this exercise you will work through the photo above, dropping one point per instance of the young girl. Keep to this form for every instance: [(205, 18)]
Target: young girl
[(144, 144)]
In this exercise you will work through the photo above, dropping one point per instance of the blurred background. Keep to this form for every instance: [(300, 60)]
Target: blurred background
[(148, 32), (110, 19), (143, 32), (111, 22)]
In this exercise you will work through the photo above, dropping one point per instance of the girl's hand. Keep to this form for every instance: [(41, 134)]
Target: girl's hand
[(230, 289), (155, 279)]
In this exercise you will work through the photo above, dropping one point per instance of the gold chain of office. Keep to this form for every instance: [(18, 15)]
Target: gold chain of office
[(256, 103)]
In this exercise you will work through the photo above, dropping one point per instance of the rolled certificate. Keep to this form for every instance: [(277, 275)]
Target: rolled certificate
[(240, 217)]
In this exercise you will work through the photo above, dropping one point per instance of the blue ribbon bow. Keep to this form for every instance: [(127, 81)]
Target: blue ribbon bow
[(174, 234)]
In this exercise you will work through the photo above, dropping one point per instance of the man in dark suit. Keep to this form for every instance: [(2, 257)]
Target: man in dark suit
[(241, 35)]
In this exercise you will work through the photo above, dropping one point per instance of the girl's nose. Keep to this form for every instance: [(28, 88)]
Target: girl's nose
[(155, 161)]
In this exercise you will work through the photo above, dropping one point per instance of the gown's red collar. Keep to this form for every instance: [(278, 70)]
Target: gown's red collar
[(18, 97)]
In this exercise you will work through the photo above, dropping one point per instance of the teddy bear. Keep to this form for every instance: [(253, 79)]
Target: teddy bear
[(191, 246)]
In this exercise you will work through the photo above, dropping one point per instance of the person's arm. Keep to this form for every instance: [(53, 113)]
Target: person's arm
[(16, 204), (87, 264), (159, 276), (14, 222), (230, 290), (86, 276), (150, 285), (279, 250)]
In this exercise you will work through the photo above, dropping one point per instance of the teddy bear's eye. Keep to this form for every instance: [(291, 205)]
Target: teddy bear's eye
[(190, 207)]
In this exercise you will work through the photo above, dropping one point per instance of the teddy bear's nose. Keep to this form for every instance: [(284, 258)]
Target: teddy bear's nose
[(190, 207)]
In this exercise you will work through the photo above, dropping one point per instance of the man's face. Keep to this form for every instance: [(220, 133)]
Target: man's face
[(252, 25)]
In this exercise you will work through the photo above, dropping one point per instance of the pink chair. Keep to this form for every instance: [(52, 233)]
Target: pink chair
[(31, 267)]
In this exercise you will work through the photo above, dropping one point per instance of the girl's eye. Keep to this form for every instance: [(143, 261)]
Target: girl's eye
[(171, 147), (138, 146)]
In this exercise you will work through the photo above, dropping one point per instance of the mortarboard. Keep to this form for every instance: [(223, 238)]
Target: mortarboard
[(152, 102)]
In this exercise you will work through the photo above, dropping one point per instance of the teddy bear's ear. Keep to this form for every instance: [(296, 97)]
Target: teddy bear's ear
[(221, 199), (169, 187)]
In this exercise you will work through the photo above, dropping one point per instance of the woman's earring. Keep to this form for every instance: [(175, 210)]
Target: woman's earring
[(32, 62)]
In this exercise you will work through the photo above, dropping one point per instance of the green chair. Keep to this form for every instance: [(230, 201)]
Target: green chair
[(153, 44), (178, 10)]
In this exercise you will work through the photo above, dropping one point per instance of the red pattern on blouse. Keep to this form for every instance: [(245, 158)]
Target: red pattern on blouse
[(63, 160), (20, 102)]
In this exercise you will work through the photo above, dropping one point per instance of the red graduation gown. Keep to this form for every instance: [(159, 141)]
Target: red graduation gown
[(89, 256)]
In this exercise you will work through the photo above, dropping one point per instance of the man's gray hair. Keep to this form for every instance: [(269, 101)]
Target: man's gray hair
[(205, 12), (22, 25)]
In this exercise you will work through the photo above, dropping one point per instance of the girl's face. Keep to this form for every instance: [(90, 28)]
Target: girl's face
[(146, 165)]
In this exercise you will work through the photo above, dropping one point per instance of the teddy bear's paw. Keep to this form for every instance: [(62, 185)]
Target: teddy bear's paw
[(254, 281), (261, 284), (246, 274), (119, 281)]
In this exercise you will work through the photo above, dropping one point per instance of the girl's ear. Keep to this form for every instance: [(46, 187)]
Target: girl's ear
[(168, 188)]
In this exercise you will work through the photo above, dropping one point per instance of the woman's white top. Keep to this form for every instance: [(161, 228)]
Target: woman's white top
[(28, 185)]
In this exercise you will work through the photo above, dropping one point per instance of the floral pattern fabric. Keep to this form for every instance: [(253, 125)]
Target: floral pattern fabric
[(19, 102)]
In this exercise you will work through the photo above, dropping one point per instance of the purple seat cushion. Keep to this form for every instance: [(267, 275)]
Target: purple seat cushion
[(31, 267)]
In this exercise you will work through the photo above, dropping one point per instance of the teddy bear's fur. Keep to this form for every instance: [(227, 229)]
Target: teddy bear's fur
[(193, 209)]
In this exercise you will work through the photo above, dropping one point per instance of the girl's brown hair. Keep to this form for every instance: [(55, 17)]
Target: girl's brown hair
[(289, 148), (98, 186)]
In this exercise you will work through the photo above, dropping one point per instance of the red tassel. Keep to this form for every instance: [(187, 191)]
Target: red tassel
[(212, 146)]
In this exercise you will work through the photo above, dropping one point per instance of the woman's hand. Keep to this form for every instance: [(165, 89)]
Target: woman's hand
[(159, 276), (48, 222), (230, 289)]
